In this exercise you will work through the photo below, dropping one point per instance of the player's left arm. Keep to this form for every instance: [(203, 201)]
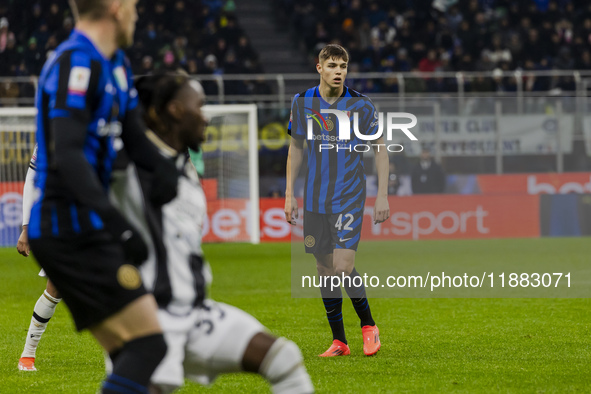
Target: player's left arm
[(381, 211), (22, 245)]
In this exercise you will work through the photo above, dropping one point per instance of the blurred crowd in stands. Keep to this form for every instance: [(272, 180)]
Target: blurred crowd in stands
[(204, 37), (200, 36), (450, 35)]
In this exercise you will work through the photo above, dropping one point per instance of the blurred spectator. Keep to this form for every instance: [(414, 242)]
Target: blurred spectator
[(180, 50), (230, 31), (429, 63), (192, 67), (564, 61), (147, 65), (485, 63), (393, 181), (275, 193), (534, 50), (51, 44), (42, 34), (454, 18), (5, 34), (499, 53), (427, 176), (261, 86), (384, 33), (10, 57), (66, 29), (34, 20), (349, 36), (402, 61), (584, 62), (210, 68), (54, 19), (34, 57), (169, 62), (375, 14), (9, 94), (220, 49)]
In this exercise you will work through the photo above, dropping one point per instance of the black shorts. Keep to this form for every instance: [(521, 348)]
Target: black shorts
[(90, 274), (325, 232)]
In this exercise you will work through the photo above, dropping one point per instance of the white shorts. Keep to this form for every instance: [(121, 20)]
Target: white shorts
[(210, 341)]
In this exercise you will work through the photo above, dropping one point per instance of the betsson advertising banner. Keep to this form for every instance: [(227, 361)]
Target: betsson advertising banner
[(413, 217), (416, 217)]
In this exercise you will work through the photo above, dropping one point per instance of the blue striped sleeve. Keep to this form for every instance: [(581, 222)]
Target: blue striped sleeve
[(296, 124), (70, 82)]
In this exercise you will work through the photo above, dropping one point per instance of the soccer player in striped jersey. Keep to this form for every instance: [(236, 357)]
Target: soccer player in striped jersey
[(45, 306), (86, 107), (334, 192), (205, 338)]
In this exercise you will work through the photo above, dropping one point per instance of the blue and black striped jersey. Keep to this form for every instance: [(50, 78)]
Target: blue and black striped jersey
[(78, 84), (335, 179)]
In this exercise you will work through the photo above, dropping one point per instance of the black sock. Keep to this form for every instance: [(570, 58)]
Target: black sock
[(135, 364), (358, 298), (333, 303)]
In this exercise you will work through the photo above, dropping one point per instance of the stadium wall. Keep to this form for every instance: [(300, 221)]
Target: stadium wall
[(501, 206)]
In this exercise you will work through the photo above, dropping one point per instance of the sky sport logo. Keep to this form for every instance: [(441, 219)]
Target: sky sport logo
[(342, 118)]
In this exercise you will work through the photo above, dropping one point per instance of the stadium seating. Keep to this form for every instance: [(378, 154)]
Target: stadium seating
[(457, 35), (200, 36)]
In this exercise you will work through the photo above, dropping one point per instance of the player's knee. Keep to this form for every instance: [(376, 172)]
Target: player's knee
[(52, 290), (283, 367), (148, 350), (343, 270), (135, 364), (324, 270), (156, 345)]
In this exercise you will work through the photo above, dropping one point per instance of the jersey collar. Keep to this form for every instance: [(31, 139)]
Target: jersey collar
[(164, 148), (345, 89)]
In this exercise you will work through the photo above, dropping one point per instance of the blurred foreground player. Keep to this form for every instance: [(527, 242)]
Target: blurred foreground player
[(45, 306), (85, 102), (334, 193), (205, 338)]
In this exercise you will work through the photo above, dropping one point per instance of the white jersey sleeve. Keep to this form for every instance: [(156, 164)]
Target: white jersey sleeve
[(28, 195), (29, 188)]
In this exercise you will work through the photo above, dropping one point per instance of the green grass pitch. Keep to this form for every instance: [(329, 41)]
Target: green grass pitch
[(428, 345)]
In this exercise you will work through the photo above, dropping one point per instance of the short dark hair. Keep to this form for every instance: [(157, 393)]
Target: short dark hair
[(91, 9), (333, 51)]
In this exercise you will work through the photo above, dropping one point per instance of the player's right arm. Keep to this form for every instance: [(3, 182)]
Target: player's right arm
[(76, 78), (294, 161), (22, 245)]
